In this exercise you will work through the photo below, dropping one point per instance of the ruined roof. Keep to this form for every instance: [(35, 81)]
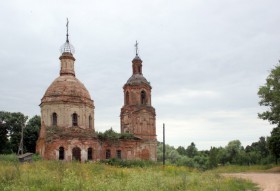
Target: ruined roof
[(137, 79), (67, 88)]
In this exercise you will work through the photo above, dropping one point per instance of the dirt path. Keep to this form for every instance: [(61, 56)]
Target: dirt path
[(266, 181)]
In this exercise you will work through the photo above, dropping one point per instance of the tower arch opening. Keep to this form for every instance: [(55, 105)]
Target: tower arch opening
[(143, 97), (127, 98)]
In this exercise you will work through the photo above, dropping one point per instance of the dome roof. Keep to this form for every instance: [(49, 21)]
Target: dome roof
[(67, 88), (68, 48), (137, 58), (137, 79)]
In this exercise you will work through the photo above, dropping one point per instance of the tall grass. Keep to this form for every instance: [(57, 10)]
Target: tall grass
[(57, 175), (237, 168)]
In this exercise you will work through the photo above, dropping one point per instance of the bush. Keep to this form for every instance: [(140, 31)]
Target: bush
[(36, 157), (9, 158), (128, 163)]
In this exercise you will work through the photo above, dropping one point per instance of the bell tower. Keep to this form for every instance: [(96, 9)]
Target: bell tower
[(138, 116)]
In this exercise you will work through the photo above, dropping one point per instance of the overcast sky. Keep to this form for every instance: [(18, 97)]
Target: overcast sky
[(205, 60)]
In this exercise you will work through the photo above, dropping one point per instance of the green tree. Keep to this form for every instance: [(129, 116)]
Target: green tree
[(191, 150), (274, 143), (171, 154), (16, 122), (223, 156), (233, 149), (3, 133), (31, 133), (270, 97), (13, 123), (213, 157), (243, 158), (261, 147), (181, 150)]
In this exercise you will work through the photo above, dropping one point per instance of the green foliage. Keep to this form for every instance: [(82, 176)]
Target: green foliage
[(11, 128), (3, 135), (232, 154), (56, 175), (129, 163), (270, 97), (8, 157), (233, 149), (213, 157), (274, 143), (13, 124), (240, 168), (36, 157), (113, 137), (191, 150), (258, 151), (181, 150), (31, 134)]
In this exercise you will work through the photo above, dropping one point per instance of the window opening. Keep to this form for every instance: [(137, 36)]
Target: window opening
[(90, 122), (108, 154), (127, 98), (89, 153), (119, 154), (54, 119), (61, 153), (75, 119), (143, 97)]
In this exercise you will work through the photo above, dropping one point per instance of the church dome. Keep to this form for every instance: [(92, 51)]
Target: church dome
[(67, 88), (137, 79)]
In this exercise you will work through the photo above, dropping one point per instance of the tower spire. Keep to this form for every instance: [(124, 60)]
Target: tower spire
[(67, 25)]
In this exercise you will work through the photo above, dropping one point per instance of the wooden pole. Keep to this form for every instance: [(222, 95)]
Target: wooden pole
[(163, 158)]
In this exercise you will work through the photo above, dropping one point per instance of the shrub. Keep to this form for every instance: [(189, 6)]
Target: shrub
[(128, 163)]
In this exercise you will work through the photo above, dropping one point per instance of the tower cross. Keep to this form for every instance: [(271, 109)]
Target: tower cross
[(136, 48), (67, 24)]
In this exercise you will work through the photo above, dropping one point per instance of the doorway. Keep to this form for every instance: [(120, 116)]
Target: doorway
[(76, 154)]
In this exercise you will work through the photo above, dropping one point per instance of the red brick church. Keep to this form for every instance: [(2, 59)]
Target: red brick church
[(67, 118)]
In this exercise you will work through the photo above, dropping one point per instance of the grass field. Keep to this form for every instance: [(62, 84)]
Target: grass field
[(56, 175)]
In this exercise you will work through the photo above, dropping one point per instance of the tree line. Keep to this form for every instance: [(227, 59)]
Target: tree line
[(233, 153)]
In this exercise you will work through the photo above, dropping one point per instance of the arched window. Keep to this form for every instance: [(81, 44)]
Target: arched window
[(119, 154), (139, 70), (90, 122), (126, 98), (54, 119), (89, 151), (143, 97), (108, 154), (75, 119), (61, 153)]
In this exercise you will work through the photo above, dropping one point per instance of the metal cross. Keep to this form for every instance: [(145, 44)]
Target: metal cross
[(136, 48), (67, 24)]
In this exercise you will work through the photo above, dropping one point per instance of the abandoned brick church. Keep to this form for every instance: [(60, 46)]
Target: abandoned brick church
[(67, 118)]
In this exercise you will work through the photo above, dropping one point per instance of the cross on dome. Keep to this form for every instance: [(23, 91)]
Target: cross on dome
[(67, 47), (136, 48)]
